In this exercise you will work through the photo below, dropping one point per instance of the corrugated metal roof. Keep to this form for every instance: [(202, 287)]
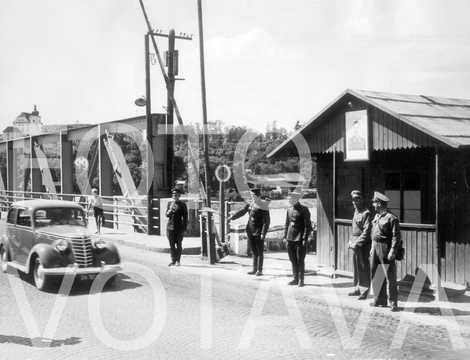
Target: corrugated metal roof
[(446, 120), (441, 118)]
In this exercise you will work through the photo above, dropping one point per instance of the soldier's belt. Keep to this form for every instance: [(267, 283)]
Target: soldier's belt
[(382, 241)]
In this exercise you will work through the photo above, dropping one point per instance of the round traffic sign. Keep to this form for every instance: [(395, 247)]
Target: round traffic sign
[(81, 162), (223, 173)]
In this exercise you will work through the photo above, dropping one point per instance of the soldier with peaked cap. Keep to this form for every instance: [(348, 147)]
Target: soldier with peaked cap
[(360, 244), (297, 230), (386, 240), (177, 214), (257, 227)]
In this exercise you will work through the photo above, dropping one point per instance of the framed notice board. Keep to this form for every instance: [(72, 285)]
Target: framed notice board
[(356, 136)]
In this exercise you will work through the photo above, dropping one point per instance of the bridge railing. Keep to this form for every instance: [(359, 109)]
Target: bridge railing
[(121, 212)]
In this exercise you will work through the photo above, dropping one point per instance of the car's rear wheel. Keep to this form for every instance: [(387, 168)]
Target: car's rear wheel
[(4, 259), (41, 280)]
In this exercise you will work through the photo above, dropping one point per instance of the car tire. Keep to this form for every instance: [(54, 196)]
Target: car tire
[(41, 281), (4, 259)]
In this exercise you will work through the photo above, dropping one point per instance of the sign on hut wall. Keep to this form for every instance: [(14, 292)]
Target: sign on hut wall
[(357, 135)]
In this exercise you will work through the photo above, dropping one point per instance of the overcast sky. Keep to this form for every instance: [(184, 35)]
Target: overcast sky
[(82, 60)]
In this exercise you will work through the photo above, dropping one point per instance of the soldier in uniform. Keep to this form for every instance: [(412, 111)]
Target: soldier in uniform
[(385, 236), (297, 229), (360, 245), (256, 228), (177, 214)]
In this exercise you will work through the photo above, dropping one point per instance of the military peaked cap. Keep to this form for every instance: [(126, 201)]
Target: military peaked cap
[(380, 197), (356, 193)]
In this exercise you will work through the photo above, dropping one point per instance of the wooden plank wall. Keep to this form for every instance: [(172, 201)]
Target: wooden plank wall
[(454, 216), (325, 239), (420, 251), (389, 133), (345, 255), (386, 133)]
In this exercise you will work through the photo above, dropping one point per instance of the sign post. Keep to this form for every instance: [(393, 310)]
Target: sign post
[(222, 173)]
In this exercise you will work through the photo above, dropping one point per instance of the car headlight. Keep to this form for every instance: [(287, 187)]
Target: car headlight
[(100, 244), (61, 245)]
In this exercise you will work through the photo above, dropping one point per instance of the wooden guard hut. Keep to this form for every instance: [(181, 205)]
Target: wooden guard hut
[(413, 148)]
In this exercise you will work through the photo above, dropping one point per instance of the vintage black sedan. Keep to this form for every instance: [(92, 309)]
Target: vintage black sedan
[(49, 238)]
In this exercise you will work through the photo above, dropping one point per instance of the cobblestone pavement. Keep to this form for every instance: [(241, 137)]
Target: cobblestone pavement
[(217, 327)]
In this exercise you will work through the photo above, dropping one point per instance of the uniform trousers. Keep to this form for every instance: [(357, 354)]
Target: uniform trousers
[(257, 248), (361, 266), (384, 274), (176, 239), (297, 251)]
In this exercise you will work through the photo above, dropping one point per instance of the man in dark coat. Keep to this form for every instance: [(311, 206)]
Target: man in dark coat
[(256, 228), (360, 244), (177, 214), (297, 229), (386, 240)]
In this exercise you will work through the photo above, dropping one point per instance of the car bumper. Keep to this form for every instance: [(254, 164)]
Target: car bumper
[(69, 270)]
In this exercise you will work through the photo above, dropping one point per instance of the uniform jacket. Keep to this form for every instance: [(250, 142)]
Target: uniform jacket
[(177, 214), (298, 223), (258, 219), (361, 227), (386, 229)]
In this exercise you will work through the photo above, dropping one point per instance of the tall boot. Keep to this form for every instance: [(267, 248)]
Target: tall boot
[(260, 266), (255, 265), (295, 272), (301, 277)]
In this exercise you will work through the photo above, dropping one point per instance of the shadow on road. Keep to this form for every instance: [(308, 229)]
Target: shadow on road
[(333, 285), (38, 342), (82, 287), (458, 298), (122, 282), (436, 311)]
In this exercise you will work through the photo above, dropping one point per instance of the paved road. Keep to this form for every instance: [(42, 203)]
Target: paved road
[(207, 317)]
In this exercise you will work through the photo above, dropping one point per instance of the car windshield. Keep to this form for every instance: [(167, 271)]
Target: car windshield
[(59, 216)]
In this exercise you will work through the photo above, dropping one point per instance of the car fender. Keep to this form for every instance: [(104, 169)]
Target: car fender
[(109, 254), (49, 256)]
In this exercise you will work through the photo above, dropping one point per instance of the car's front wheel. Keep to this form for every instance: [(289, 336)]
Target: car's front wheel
[(41, 280), (4, 259)]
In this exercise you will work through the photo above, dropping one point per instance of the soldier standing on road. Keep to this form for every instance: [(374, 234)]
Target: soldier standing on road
[(385, 235), (297, 229), (256, 228), (360, 243), (177, 214)]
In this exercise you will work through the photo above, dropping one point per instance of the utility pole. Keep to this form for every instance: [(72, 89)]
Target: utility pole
[(148, 116), (172, 65), (211, 250), (165, 77), (171, 62)]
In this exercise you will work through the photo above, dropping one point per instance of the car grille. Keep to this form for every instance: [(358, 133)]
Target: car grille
[(82, 252)]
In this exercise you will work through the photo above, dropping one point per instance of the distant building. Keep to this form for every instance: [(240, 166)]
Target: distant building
[(30, 124), (10, 132)]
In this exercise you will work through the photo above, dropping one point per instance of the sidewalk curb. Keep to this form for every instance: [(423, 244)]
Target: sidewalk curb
[(186, 250)]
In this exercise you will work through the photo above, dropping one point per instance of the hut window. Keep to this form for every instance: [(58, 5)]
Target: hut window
[(405, 193)]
